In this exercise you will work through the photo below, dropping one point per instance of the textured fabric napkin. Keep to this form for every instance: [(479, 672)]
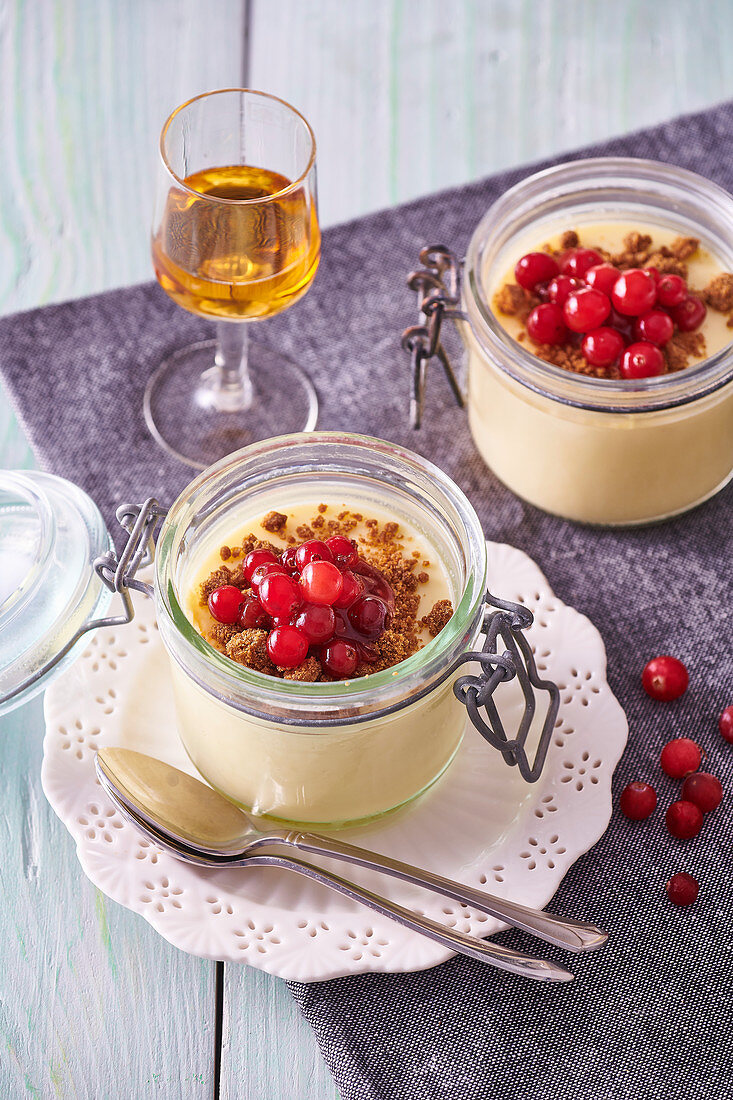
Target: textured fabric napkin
[(649, 1016)]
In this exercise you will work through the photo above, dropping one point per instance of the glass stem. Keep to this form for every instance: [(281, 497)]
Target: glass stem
[(232, 382)]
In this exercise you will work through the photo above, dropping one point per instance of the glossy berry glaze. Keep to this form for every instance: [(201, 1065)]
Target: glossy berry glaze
[(320, 598)]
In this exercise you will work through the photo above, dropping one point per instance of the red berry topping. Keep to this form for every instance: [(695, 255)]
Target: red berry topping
[(684, 820), (368, 616), (534, 268), (725, 724), (546, 324), (225, 602), (312, 550), (602, 277), (279, 595), (586, 309), (655, 274), (287, 647), (344, 551), (680, 757), (656, 326), (671, 290), (638, 801), (559, 288), (252, 614), (321, 582), (255, 558), (642, 360), (317, 623), (634, 292), (602, 346), (352, 589), (705, 790), (339, 658), (665, 678), (682, 889), (576, 261), (264, 570), (288, 558), (690, 314)]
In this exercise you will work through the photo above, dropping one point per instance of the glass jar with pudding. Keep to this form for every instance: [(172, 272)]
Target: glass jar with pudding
[(291, 736), (618, 429)]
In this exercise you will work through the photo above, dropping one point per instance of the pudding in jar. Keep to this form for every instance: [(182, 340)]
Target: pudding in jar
[(315, 690), (600, 390)]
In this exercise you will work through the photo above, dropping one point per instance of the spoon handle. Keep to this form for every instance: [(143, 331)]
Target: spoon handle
[(572, 935), (504, 958)]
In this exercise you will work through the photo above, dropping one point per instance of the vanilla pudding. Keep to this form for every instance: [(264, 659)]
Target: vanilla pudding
[(601, 450), (324, 752)]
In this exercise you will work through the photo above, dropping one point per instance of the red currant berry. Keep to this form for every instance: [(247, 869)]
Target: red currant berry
[(638, 801), (345, 553), (225, 602), (287, 647), (252, 614), (665, 678), (352, 589), (264, 570), (279, 595), (255, 558), (546, 324), (576, 261), (634, 292), (655, 274), (312, 550), (680, 757), (602, 346), (624, 325), (288, 558), (321, 582), (586, 309), (690, 314), (534, 268), (602, 277), (559, 288), (317, 623), (682, 889), (683, 820), (705, 790), (642, 360), (671, 290), (656, 326), (368, 616), (725, 724), (339, 658)]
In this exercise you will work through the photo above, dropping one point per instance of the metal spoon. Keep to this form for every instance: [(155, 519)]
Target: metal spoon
[(202, 826)]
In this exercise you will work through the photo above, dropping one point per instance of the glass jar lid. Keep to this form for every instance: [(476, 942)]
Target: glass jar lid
[(50, 534)]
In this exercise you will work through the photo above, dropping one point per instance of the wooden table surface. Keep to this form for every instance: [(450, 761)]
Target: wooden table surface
[(405, 96)]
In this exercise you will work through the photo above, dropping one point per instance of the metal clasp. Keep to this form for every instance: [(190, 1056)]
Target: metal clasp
[(438, 293), (508, 624), (116, 574)]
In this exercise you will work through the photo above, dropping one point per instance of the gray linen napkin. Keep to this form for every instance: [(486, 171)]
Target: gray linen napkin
[(650, 1016)]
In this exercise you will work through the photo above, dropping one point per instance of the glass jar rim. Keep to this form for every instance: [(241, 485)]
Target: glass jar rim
[(429, 664), (559, 185)]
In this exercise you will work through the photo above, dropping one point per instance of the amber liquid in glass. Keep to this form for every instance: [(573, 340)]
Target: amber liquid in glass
[(237, 260)]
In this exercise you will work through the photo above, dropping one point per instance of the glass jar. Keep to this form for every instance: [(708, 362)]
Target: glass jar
[(323, 752), (597, 451)]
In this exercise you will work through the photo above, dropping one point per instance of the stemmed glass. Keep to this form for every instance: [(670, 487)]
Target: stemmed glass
[(235, 238)]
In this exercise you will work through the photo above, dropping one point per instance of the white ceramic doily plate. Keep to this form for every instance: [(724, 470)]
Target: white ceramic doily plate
[(480, 823)]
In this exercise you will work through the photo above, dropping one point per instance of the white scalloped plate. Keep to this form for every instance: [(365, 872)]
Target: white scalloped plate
[(480, 823)]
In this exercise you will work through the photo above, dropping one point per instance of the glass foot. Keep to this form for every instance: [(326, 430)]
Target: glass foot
[(198, 419)]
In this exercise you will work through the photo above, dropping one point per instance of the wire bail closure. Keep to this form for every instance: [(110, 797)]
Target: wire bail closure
[(116, 574), (437, 285), (517, 661)]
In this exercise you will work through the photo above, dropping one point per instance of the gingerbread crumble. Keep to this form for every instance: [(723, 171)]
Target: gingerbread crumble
[(638, 251), (381, 546)]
